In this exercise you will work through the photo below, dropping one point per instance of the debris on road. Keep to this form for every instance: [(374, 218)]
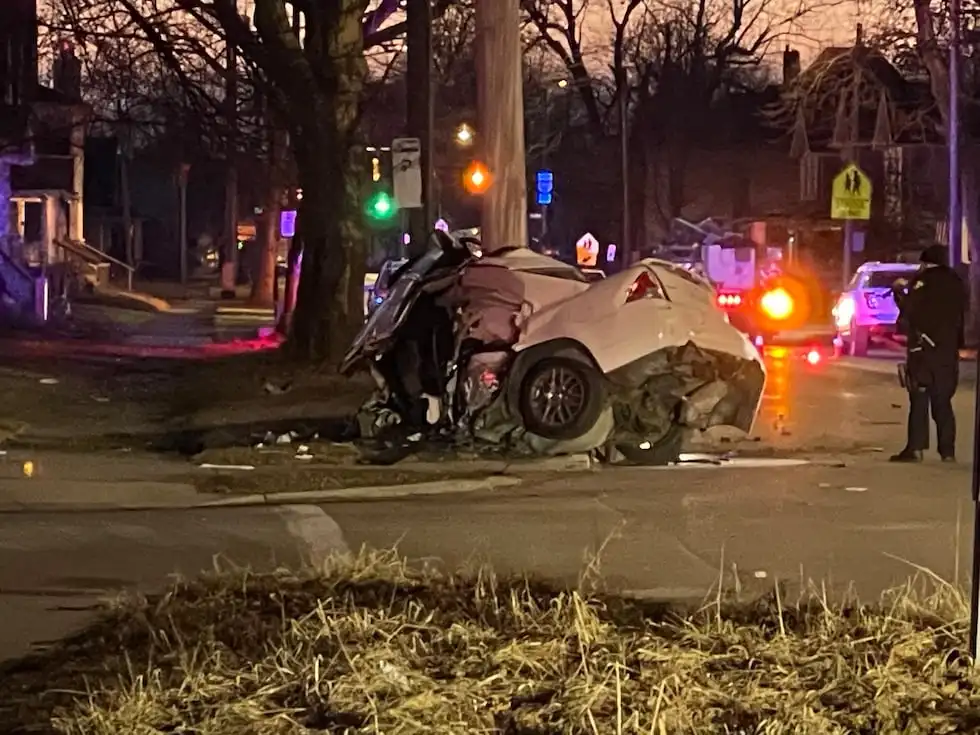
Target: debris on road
[(241, 467), (256, 641)]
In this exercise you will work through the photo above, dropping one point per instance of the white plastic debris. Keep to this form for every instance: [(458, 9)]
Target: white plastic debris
[(856, 489), (302, 449), (284, 439), (304, 457), (49, 381), (243, 467), (760, 574)]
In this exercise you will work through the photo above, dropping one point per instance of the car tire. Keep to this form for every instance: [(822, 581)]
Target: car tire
[(664, 451), (577, 376), (858, 341)]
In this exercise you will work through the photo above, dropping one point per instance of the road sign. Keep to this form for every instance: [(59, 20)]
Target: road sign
[(545, 181), (587, 251), (850, 196), (406, 172)]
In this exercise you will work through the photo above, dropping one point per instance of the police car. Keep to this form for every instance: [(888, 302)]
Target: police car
[(866, 312)]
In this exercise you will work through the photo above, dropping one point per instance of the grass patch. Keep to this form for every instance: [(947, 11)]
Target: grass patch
[(370, 646)]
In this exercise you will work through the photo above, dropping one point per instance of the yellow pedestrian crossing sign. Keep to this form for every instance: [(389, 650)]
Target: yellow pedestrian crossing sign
[(850, 197)]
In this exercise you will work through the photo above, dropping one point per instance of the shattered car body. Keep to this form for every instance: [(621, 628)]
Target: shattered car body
[(522, 351)]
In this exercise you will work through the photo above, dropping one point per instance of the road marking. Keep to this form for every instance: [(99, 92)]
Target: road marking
[(713, 462), (319, 535)]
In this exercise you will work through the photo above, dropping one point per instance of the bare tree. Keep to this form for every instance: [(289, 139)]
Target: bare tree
[(672, 61), (312, 75), (932, 49)]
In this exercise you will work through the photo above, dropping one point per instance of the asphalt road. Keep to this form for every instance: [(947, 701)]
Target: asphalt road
[(846, 516), (55, 567)]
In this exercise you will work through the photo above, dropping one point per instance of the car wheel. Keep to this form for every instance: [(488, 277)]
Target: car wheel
[(858, 342), (560, 398), (663, 451)]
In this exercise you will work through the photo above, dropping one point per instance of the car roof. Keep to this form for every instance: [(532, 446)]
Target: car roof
[(879, 266)]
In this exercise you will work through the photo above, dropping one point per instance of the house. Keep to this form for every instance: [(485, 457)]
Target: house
[(853, 104), (42, 160)]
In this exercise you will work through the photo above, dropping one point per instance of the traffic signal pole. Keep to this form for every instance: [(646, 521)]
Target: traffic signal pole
[(420, 115)]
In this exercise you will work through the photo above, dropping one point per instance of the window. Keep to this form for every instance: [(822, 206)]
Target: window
[(886, 279)]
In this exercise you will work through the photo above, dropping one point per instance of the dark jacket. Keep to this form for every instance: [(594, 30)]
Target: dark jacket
[(933, 311)]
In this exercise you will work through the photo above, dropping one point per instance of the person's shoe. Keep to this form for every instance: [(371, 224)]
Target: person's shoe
[(906, 455), (949, 458)]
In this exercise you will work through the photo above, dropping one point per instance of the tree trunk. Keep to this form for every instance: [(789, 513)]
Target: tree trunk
[(501, 102), (264, 284), (330, 299), (127, 208), (330, 160), (292, 282), (639, 164)]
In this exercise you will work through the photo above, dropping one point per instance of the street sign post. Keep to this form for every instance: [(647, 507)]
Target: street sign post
[(406, 172), (850, 200), (587, 251), (544, 182)]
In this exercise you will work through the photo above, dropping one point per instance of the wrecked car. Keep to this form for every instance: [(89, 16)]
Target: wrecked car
[(520, 350)]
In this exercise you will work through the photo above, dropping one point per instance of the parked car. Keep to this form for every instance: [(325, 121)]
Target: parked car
[(519, 349)]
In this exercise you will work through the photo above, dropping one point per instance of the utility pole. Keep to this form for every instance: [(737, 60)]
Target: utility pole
[(229, 268), (955, 204), (501, 106), (420, 114), (624, 97), (182, 175)]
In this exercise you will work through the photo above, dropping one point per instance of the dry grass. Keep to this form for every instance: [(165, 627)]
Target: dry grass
[(372, 646)]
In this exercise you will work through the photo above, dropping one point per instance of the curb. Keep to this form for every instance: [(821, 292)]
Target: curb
[(377, 492), (347, 494)]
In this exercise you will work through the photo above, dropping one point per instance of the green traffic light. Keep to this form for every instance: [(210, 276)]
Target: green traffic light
[(381, 206)]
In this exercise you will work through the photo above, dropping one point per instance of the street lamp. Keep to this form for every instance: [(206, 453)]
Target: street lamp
[(464, 135)]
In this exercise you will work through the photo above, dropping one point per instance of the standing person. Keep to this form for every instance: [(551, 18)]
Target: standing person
[(932, 315)]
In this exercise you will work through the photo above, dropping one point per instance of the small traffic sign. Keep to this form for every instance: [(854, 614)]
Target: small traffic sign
[(850, 196), (545, 181), (406, 172), (587, 251)]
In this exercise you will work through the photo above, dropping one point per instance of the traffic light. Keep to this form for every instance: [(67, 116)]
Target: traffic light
[(476, 178), (381, 207)]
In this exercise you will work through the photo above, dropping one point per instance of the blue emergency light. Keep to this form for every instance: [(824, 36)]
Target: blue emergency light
[(545, 181)]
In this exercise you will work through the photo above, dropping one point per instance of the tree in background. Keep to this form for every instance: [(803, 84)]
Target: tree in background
[(674, 63), (931, 41), (308, 61)]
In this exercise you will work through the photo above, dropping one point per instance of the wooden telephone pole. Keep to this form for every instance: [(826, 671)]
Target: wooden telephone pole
[(501, 106)]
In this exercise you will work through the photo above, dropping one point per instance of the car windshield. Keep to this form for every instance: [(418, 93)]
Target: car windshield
[(885, 279), (387, 271)]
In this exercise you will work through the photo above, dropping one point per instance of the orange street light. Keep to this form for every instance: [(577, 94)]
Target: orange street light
[(476, 178)]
